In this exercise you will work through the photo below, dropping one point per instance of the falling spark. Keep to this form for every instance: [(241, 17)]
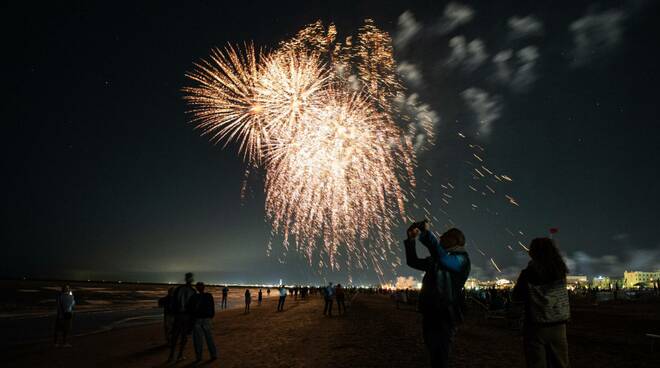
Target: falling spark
[(495, 265), (506, 178), (523, 246), (511, 200)]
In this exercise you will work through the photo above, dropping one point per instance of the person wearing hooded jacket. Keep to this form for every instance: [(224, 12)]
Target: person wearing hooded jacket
[(441, 298)]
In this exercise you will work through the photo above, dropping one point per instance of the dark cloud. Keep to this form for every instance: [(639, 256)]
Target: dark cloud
[(584, 263)]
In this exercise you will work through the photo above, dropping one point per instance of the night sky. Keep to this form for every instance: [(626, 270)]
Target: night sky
[(105, 177)]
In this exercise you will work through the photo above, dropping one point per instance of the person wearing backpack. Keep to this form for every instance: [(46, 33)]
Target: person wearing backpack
[(541, 287), (441, 298)]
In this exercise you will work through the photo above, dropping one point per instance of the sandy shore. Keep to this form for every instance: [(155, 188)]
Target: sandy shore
[(372, 334)]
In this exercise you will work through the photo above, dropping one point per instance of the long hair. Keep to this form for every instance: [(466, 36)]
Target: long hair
[(547, 259)]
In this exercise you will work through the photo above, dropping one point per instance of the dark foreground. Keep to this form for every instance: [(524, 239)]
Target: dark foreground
[(372, 334)]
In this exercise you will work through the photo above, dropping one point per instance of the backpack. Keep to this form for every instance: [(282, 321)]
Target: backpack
[(548, 303)]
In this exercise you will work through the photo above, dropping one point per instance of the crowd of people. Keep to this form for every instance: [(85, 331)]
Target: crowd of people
[(190, 310), (540, 295)]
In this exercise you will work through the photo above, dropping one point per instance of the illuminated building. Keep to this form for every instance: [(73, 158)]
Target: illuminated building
[(633, 279), (607, 282), (576, 280)]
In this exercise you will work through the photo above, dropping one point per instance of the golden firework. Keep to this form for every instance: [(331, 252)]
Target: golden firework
[(316, 115)]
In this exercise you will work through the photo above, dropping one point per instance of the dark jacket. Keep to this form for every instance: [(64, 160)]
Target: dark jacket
[(202, 305), (445, 274), (181, 298), (339, 293)]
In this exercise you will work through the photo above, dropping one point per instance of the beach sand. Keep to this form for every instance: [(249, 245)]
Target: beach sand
[(372, 334)]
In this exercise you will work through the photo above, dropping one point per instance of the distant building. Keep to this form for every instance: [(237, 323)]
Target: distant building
[(576, 280), (472, 283), (634, 279), (606, 282)]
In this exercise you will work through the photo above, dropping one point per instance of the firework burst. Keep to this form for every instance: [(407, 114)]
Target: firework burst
[(224, 100), (316, 115), (336, 178)]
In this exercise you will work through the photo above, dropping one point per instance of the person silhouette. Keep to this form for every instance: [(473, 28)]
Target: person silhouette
[(441, 297), (64, 317), (282, 299), (202, 308), (339, 296), (183, 325), (328, 295), (541, 288), (223, 302), (248, 300)]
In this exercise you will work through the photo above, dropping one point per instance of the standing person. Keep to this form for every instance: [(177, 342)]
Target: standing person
[(248, 300), (542, 288), (182, 316), (280, 302), (223, 302), (441, 297), (168, 315), (328, 294), (260, 296), (202, 307), (339, 295), (268, 291), (64, 318)]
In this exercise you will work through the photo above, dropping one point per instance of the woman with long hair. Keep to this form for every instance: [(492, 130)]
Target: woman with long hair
[(542, 288)]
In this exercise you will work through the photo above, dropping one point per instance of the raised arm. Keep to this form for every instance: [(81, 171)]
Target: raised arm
[(411, 256), (452, 262)]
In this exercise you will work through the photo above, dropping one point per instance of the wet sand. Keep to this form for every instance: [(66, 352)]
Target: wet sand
[(27, 308), (372, 334)]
